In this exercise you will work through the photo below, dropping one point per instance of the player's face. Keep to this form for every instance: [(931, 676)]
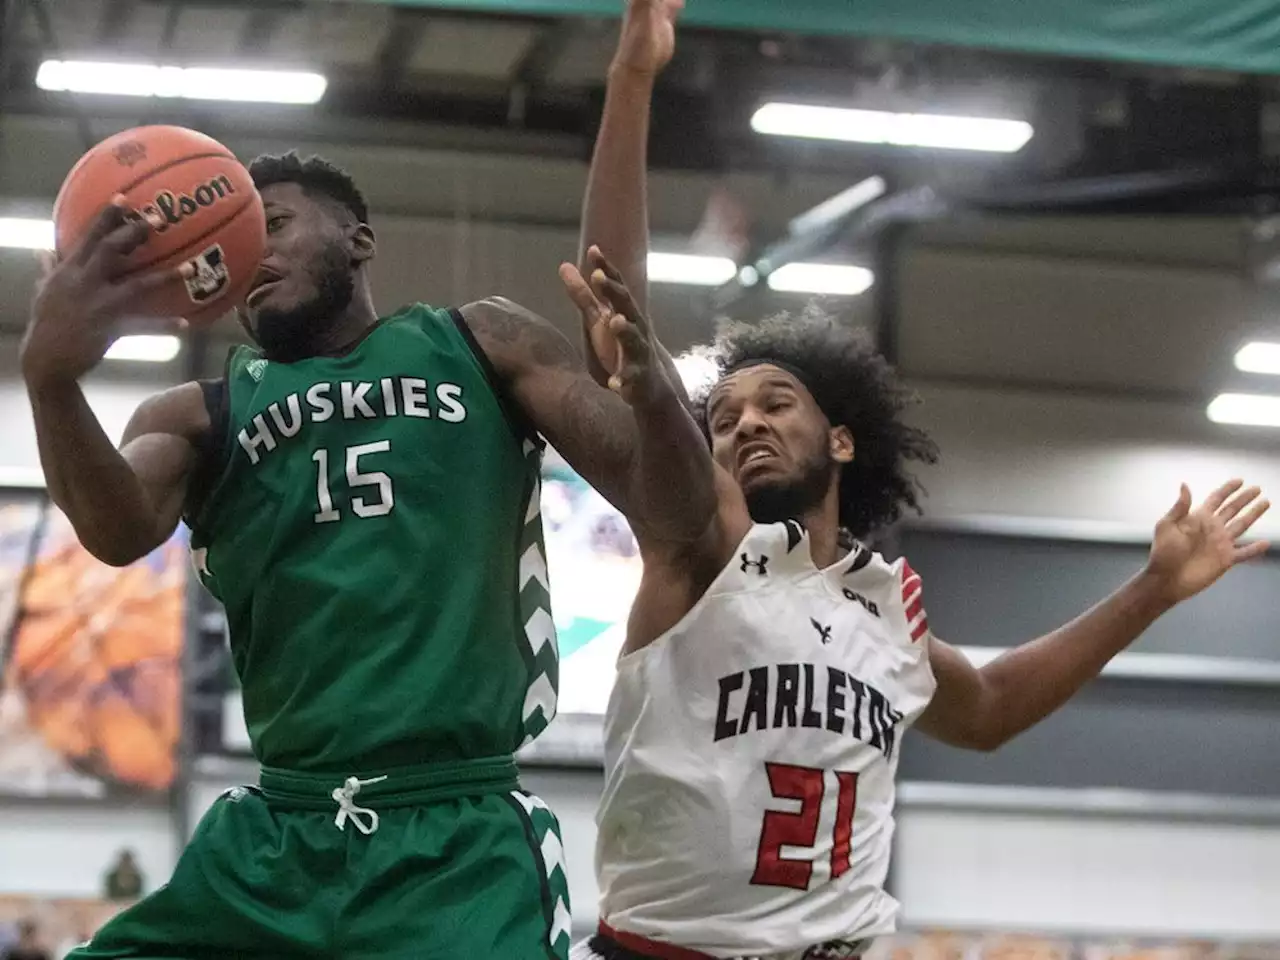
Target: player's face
[(768, 432), (306, 279)]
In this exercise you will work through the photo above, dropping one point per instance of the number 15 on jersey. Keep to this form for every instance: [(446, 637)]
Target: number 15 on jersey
[(356, 478), (800, 829)]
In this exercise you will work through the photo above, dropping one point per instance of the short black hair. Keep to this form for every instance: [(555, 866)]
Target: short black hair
[(855, 387), (315, 175)]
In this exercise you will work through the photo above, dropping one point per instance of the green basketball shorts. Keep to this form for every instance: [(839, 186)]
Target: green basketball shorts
[(446, 862)]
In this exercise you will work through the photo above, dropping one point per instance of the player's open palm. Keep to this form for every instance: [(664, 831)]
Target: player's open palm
[(648, 39), (1193, 548), (81, 300)]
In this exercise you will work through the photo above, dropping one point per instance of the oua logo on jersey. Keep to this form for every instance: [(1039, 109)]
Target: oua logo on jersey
[(350, 400)]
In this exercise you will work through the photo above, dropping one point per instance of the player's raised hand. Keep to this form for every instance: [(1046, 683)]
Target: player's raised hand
[(648, 39), (1193, 548), (620, 333), (81, 300)]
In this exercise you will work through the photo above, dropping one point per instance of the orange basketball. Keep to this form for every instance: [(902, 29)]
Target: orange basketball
[(203, 205)]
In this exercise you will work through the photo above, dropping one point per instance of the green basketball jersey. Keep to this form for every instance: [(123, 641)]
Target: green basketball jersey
[(374, 534)]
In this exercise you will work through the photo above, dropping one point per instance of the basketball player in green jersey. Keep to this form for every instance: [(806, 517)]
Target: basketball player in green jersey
[(362, 493)]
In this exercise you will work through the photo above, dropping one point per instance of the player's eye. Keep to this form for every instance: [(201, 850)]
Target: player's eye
[(274, 224)]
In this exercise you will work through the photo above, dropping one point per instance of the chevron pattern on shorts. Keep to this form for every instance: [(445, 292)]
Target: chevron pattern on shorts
[(546, 831)]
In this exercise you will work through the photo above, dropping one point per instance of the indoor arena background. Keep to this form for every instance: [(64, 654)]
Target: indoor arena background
[(1070, 313)]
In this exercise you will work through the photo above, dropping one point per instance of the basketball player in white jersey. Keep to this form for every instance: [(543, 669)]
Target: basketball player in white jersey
[(773, 663)]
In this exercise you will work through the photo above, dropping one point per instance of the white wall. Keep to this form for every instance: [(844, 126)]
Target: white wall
[(1065, 872), (1058, 456), (57, 849), (113, 402)]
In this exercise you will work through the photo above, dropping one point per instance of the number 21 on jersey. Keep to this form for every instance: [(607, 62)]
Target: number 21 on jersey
[(356, 478), (782, 828)]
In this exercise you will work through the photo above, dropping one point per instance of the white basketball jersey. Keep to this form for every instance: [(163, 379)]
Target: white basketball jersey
[(750, 755)]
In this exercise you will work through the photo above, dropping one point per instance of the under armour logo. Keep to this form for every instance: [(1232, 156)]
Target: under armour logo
[(760, 565), (824, 633)]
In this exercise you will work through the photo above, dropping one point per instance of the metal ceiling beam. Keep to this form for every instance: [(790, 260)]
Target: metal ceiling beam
[(879, 227), (402, 39), (531, 72)]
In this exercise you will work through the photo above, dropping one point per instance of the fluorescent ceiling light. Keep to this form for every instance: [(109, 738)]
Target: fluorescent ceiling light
[(1248, 409), (146, 348), (821, 278), (26, 234), (897, 129), (690, 269), (1259, 357), (188, 83)]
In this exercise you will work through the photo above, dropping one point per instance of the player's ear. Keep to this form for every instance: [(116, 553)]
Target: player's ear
[(841, 444), (363, 243)]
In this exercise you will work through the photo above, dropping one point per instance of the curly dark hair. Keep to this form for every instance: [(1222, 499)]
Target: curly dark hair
[(855, 387), (317, 177)]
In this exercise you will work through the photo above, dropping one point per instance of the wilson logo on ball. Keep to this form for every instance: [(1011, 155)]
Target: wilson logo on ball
[(169, 209)]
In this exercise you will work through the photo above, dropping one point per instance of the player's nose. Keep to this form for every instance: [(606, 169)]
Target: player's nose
[(751, 422)]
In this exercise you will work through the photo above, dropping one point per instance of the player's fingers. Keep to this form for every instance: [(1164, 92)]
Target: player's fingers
[(616, 294), (580, 291), (1181, 507), (1219, 496), (116, 247), (1238, 502), (632, 342), (599, 261), (112, 216), (1238, 527), (140, 285), (1251, 551)]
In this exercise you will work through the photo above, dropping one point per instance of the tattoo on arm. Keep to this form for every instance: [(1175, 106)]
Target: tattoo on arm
[(591, 427)]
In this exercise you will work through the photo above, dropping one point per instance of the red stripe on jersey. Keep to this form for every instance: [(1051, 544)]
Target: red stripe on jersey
[(650, 948), (842, 839), (907, 576), (913, 598)]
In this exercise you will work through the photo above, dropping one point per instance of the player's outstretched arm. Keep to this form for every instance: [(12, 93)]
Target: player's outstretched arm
[(615, 210), (982, 709), (122, 503)]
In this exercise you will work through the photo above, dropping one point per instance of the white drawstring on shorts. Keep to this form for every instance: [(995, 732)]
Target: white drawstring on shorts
[(344, 796)]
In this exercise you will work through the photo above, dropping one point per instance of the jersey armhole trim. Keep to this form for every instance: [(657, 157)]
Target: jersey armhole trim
[(212, 447), (521, 427)]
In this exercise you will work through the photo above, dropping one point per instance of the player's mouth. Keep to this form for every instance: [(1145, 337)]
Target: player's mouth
[(752, 456), (266, 281)]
